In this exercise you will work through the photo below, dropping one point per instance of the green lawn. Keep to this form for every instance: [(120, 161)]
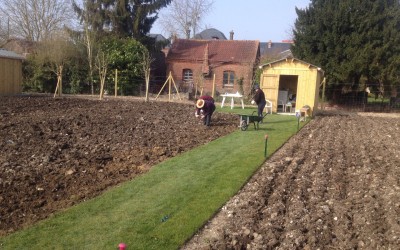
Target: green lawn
[(378, 100), (164, 207)]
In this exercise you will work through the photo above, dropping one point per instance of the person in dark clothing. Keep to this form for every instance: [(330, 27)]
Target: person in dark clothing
[(259, 99), (207, 97), (205, 108)]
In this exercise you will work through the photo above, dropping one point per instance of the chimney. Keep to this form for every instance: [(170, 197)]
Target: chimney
[(231, 35), (173, 38), (269, 44)]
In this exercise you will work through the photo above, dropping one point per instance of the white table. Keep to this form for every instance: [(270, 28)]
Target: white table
[(232, 96)]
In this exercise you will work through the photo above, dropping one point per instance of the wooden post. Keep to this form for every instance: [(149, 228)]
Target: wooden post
[(162, 88), (213, 87), (266, 144), (169, 86), (169, 80), (147, 84), (101, 88), (57, 87), (103, 74), (298, 115), (116, 83), (60, 88), (172, 79), (59, 81), (323, 93)]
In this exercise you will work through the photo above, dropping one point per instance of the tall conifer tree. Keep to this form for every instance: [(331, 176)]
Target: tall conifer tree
[(124, 18), (351, 39)]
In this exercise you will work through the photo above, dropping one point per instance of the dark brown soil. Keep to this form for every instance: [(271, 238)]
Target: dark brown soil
[(335, 185), (59, 152)]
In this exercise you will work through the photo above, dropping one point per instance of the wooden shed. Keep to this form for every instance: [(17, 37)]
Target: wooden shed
[(10, 73), (291, 84)]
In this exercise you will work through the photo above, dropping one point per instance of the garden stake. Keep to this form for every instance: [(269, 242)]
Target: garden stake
[(122, 246), (266, 143), (298, 124), (298, 114)]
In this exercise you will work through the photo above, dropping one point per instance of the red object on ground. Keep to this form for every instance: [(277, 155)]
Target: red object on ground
[(122, 246)]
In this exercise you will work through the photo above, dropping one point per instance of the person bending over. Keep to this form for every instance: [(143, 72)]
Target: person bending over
[(205, 109)]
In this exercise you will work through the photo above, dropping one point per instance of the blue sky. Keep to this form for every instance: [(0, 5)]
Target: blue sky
[(261, 20)]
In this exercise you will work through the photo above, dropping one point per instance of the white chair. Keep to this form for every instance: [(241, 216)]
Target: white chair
[(283, 99), (268, 106), (283, 104)]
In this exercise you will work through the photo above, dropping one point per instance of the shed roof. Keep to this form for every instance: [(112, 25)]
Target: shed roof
[(10, 54), (291, 59), (232, 51)]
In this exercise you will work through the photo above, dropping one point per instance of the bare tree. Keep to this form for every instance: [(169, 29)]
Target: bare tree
[(35, 20), (90, 48), (90, 37), (53, 53), (3, 31), (146, 67), (184, 17), (102, 60)]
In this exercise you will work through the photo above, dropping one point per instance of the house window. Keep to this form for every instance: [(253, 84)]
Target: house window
[(229, 78), (187, 75)]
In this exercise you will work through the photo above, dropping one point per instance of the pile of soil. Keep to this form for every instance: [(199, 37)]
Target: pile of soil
[(335, 185), (58, 152)]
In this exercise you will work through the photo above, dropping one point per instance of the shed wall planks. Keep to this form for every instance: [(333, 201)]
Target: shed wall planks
[(10, 76), (309, 78)]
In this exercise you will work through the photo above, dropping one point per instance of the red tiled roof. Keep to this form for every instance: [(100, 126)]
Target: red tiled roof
[(219, 51)]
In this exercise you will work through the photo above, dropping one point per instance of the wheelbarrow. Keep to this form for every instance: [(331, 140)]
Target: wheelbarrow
[(245, 120)]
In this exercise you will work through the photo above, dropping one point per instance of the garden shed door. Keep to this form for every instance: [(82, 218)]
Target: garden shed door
[(270, 86)]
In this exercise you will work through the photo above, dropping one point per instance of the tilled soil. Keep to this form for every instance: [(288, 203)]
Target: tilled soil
[(58, 152), (335, 185)]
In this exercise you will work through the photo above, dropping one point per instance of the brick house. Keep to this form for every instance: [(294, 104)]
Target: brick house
[(20, 46), (198, 64), (272, 51)]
